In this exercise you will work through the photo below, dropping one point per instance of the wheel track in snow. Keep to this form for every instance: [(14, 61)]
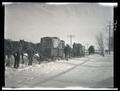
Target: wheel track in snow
[(53, 77)]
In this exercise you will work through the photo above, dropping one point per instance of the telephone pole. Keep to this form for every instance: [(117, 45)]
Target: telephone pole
[(110, 26), (109, 37), (87, 48), (71, 36)]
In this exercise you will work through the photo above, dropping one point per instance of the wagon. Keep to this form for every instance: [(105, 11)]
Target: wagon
[(52, 47), (78, 50)]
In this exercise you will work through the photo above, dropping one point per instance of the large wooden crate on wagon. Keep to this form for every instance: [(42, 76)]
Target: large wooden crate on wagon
[(52, 47)]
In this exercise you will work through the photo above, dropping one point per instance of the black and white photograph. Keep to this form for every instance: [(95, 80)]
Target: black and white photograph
[(59, 45)]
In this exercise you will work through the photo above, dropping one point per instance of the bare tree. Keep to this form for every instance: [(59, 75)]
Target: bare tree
[(100, 43)]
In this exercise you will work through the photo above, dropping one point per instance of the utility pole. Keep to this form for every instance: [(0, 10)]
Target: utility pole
[(87, 48), (110, 26), (71, 36), (109, 37)]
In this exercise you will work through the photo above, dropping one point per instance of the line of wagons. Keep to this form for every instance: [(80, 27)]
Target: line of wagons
[(49, 48), (53, 48)]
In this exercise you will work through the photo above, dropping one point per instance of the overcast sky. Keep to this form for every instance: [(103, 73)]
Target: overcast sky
[(31, 21)]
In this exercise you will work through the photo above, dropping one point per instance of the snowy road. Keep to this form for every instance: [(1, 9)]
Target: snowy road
[(91, 71)]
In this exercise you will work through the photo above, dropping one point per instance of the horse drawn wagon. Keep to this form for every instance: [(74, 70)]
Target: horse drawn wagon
[(52, 48), (78, 50)]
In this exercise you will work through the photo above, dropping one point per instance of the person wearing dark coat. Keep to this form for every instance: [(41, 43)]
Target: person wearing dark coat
[(67, 52), (17, 59)]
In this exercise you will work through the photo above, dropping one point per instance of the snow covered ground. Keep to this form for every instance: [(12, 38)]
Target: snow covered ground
[(92, 71)]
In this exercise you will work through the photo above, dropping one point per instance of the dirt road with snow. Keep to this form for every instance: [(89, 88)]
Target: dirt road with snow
[(91, 71)]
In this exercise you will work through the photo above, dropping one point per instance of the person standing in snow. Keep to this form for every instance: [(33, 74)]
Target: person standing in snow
[(30, 51), (67, 52), (17, 59)]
